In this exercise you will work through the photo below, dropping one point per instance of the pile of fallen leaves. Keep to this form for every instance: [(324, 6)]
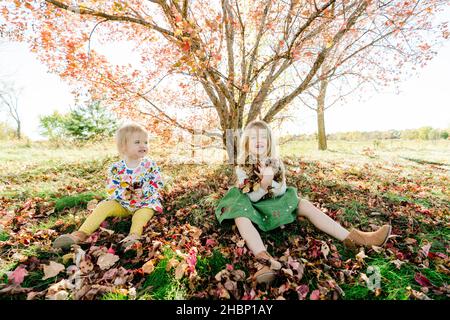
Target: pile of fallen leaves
[(205, 260)]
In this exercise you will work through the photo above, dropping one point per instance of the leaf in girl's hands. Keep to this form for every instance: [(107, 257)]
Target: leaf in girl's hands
[(52, 270)]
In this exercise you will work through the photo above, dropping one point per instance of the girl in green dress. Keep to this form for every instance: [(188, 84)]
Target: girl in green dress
[(261, 197)]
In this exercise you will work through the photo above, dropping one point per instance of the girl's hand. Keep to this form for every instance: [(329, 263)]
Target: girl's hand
[(266, 175)]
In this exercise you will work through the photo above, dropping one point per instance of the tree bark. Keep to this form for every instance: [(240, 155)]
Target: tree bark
[(231, 141), (19, 136), (322, 137)]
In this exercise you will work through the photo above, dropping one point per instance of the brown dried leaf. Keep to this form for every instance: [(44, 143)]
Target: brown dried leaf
[(148, 267), (106, 261), (52, 270)]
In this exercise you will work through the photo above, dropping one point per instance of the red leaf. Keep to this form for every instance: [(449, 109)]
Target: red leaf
[(186, 46), (18, 275), (437, 254), (422, 280), (315, 295), (192, 259), (302, 290)]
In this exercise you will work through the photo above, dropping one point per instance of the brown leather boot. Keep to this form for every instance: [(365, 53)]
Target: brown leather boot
[(265, 265), (66, 240), (368, 239)]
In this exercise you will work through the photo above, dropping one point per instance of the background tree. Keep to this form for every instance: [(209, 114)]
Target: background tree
[(6, 131), (380, 55), (225, 58), (90, 122), (9, 104), (53, 126), (84, 123)]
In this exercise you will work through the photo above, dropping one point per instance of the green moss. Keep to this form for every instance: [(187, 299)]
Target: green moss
[(79, 200), (114, 296), (161, 284), (3, 236), (210, 266)]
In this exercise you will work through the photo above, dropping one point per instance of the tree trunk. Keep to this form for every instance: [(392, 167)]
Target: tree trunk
[(192, 147), (231, 139), (322, 137), (18, 130)]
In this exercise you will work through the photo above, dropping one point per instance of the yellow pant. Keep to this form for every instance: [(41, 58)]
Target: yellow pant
[(112, 208)]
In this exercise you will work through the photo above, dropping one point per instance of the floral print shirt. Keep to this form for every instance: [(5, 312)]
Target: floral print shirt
[(135, 188)]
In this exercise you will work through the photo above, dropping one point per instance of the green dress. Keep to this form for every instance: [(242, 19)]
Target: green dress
[(268, 214)]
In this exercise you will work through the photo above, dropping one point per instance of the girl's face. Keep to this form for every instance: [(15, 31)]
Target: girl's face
[(258, 142), (137, 145)]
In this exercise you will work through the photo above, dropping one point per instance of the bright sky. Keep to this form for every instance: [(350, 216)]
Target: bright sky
[(423, 100)]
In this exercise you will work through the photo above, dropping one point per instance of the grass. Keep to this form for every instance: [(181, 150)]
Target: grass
[(354, 213), (210, 266), (37, 251), (34, 280), (431, 151), (79, 200), (440, 238), (3, 236), (4, 268), (40, 171), (114, 296), (161, 284), (394, 282), (404, 199)]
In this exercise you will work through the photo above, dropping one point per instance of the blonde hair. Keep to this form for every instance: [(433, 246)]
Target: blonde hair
[(244, 145), (272, 152), (124, 132)]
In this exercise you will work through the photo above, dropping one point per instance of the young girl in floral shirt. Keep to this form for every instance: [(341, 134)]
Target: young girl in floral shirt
[(133, 186), (261, 197)]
